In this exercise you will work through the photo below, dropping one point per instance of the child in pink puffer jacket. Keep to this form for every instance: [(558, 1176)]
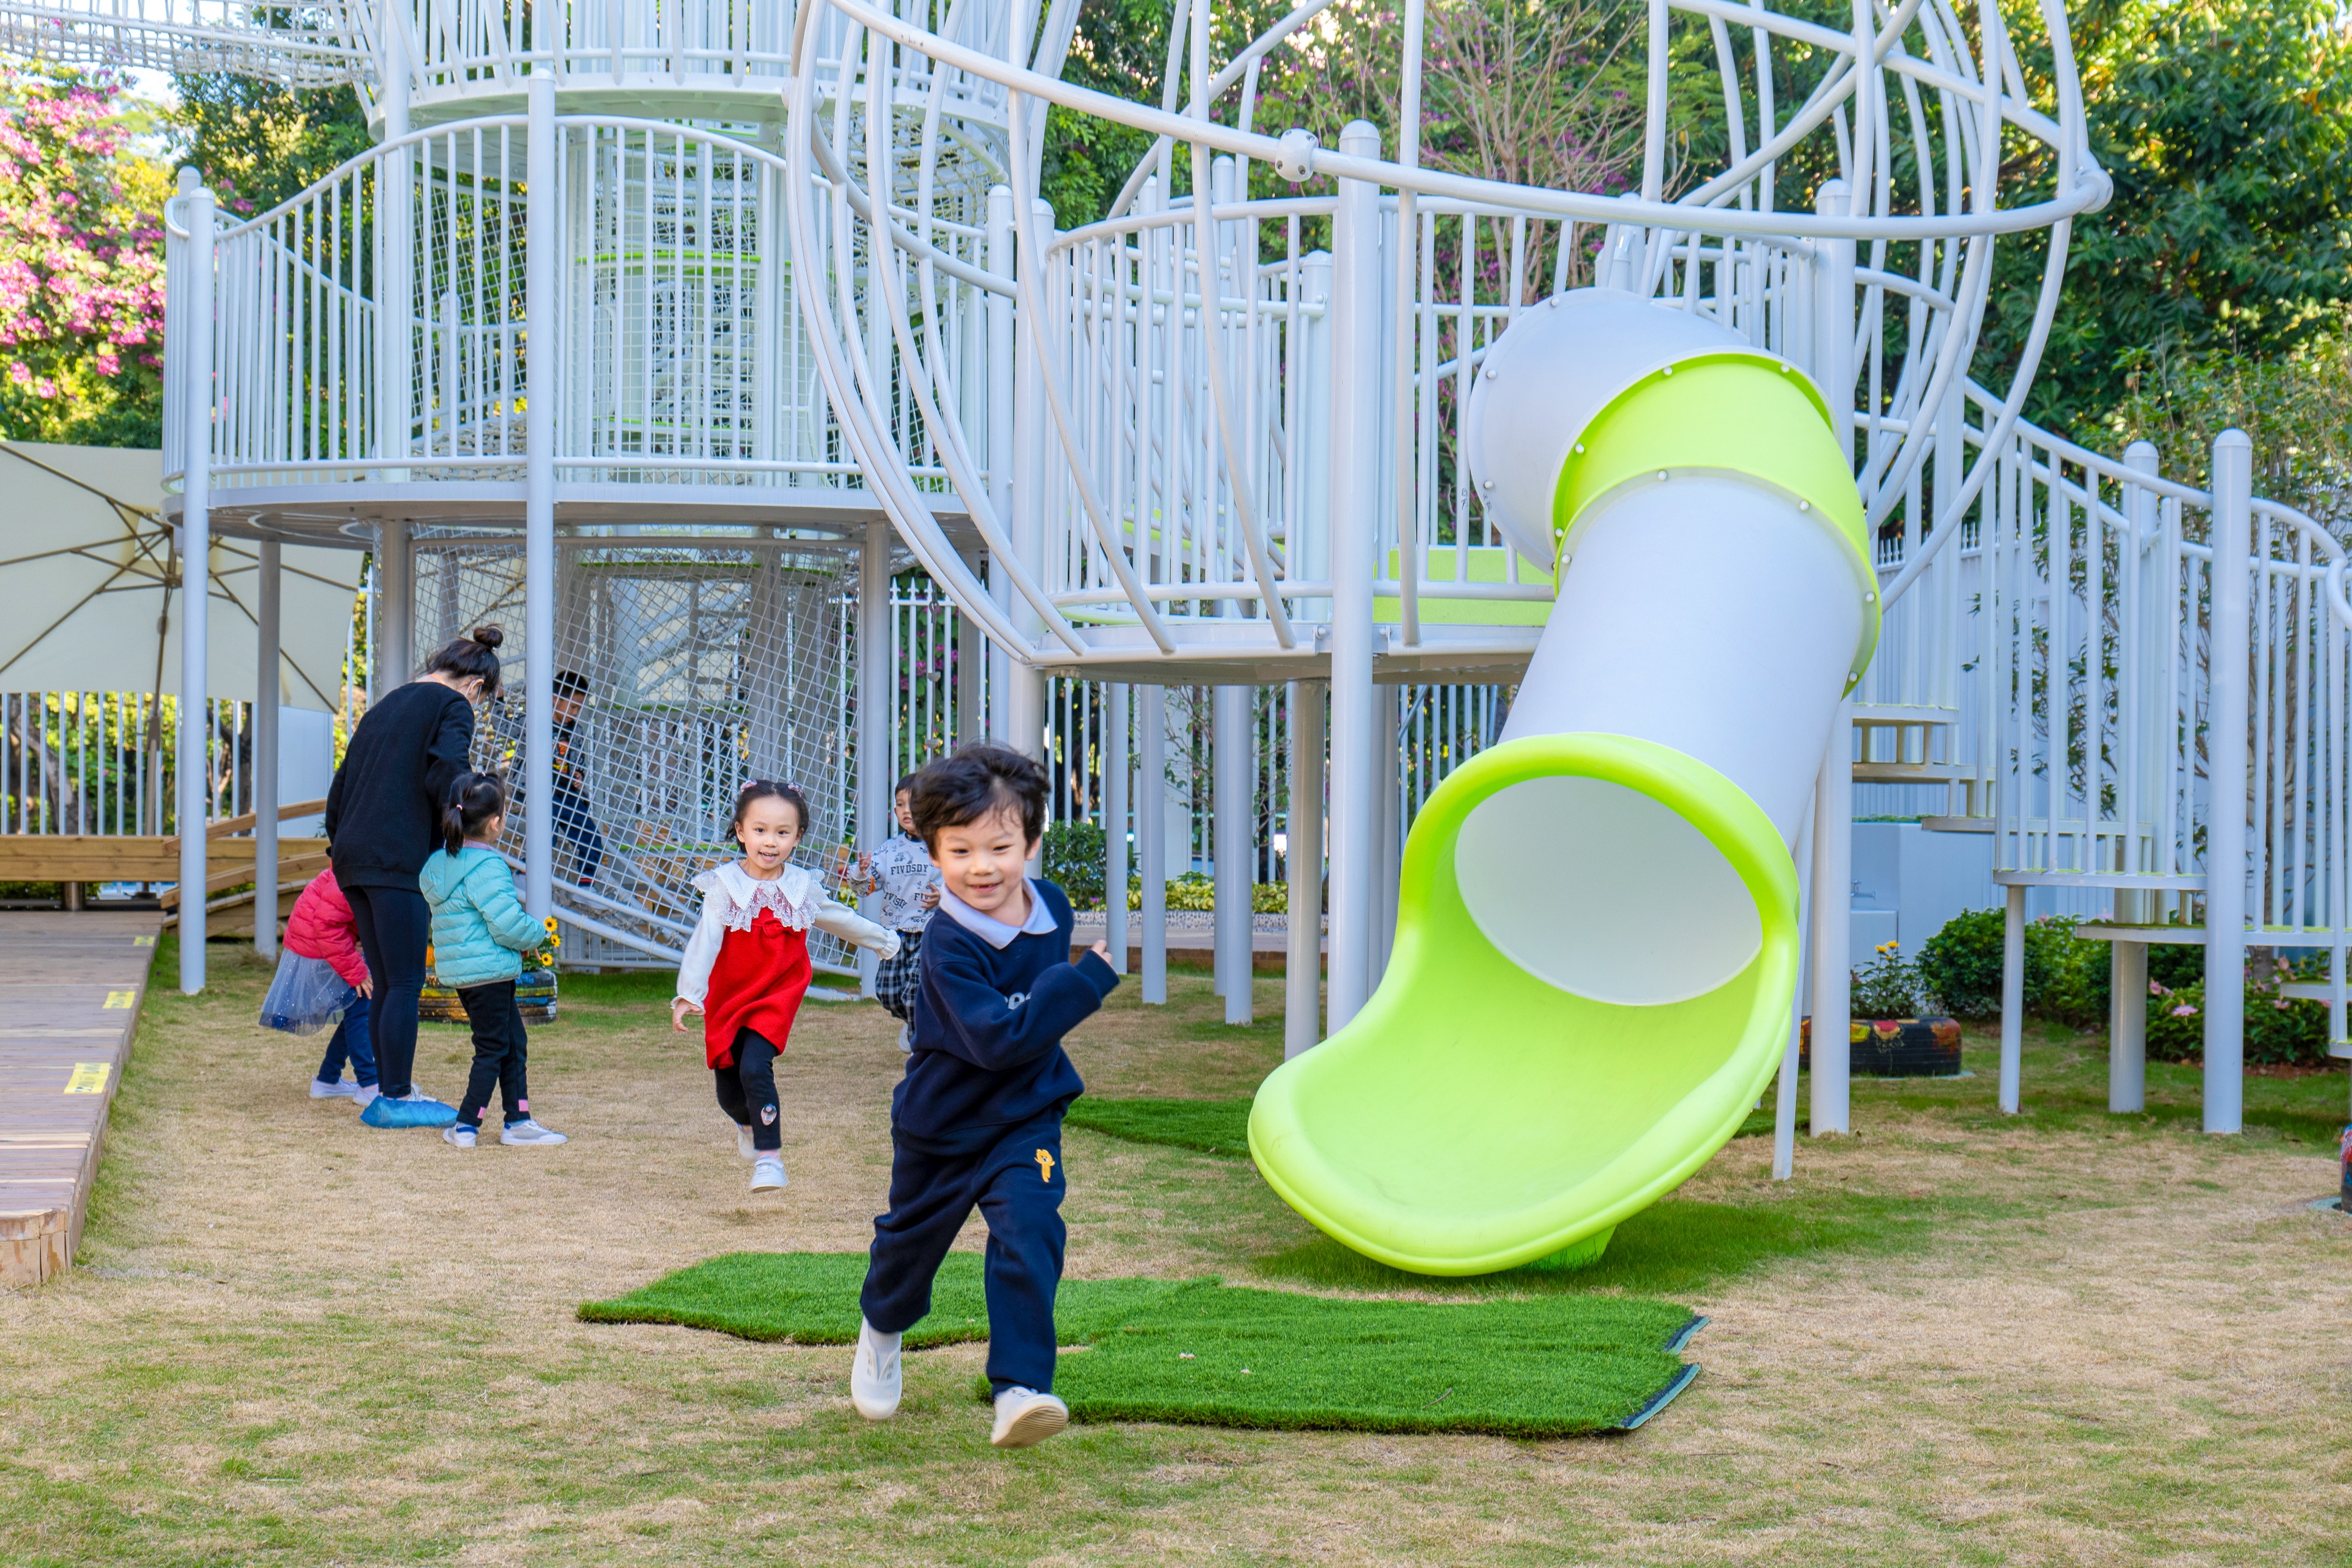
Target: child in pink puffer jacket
[(321, 928)]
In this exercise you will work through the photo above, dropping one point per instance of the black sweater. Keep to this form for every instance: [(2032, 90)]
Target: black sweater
[(385, 803), (988, 1031)]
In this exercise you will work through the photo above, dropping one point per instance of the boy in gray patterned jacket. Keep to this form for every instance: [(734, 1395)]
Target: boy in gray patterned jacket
[(902, 873)]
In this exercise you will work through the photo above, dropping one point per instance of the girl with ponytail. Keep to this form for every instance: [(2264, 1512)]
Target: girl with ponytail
[(480, 931), (384, 816)]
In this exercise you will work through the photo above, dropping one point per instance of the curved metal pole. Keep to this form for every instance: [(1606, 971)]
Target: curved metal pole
[(1212, 353), (2091, 191), (906, 508), (1033, 313)]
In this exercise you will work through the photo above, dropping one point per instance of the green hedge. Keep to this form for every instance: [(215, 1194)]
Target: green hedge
[(2065, 975), (2067, 981), (1073, 859)]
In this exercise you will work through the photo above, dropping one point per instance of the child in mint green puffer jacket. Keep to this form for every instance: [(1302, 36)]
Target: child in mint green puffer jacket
[(480, 931)]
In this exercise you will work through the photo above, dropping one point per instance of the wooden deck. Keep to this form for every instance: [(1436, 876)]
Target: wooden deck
[(70, 988)]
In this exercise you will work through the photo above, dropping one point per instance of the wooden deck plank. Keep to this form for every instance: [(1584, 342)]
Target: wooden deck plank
[(70, 989)]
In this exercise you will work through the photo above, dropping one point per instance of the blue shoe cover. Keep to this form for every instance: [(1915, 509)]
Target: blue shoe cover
[(383, 1111)]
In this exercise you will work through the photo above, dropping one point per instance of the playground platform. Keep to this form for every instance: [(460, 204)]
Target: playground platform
[(70, 989)]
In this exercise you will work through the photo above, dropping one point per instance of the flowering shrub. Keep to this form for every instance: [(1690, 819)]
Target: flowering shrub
[(1890, 988), (2279, 1029), (81, 264)]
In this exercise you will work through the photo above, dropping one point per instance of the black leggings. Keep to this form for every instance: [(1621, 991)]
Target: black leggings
[(500, 1052), (394, 928), (747, 1090)]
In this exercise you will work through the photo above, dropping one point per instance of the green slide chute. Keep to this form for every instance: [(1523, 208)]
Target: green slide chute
[(1596, 944)]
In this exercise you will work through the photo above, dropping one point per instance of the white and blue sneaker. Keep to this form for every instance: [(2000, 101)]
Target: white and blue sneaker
[(460, 1134), (413, 1109), (528, 1134)]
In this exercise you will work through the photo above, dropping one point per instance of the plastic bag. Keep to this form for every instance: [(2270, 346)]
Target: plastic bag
[(306, 997)]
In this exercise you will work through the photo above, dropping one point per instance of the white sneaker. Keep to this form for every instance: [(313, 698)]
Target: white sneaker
[(743, 1145), (365, 1095), (1024, 1417), (874, 1374), (460, 1134), (907, 1039), (768, 1174), (528, 1134), (339, 1090)]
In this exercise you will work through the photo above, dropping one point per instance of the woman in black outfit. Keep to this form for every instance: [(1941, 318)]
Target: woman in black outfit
[(383, 812)]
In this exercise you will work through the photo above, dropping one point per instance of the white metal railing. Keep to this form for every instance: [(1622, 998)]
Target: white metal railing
[(373, 328), (470, 49), (1182, 347), (453, 54), (320, 44), (106, 763), (2102, 607)]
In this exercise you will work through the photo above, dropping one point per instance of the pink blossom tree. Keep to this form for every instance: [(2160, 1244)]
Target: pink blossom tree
[(81, 264)]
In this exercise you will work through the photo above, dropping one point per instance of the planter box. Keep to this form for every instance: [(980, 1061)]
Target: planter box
[(534, 999), (1894, 1048)]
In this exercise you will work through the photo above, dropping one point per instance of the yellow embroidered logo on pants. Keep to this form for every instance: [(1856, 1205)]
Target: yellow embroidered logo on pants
[(1045, 1165)]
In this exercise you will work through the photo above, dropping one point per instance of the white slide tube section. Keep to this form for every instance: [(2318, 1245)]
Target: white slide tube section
[(1704, 606), (1709, 614)]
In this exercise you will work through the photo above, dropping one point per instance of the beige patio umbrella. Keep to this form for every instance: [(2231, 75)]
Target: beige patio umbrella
[(90, 587)]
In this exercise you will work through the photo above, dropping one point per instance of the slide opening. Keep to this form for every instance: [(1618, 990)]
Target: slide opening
[(1596, 939), (1604, 891)]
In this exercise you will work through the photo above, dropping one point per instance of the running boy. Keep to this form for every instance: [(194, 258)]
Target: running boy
[(977, 1120), (902, 873)]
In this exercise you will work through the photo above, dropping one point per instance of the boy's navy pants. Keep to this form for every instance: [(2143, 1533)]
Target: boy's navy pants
[(1017, 1184)]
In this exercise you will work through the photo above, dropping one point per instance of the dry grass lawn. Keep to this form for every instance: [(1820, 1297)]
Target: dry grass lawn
[(295, 1340)]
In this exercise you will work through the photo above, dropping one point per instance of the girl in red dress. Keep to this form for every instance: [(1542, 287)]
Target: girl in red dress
[(747, 966)]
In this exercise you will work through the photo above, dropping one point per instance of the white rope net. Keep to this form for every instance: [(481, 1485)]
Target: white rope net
[(699, 669)]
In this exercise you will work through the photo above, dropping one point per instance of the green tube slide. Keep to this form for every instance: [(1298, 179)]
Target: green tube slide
[(1542, 1059)]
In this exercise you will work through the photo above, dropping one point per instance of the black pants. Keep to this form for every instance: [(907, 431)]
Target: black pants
[(896, 980), (394, 926), (747, 1090), (500, 1050), (1017, 1184), (577, 824)]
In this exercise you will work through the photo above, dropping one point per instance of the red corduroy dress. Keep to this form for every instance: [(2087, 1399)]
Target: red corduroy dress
[(756, 983)]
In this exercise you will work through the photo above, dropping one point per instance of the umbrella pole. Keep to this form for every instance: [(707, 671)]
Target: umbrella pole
[(195, 599), (265, 755), (151, 737)]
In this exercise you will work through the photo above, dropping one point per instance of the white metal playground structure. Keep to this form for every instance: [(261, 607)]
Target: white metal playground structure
[(785, 281)]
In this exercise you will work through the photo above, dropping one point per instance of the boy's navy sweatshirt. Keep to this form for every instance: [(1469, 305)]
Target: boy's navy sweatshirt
[(988, 1031)]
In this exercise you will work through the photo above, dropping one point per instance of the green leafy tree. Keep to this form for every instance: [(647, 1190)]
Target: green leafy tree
[(81, 272), (2297, 407), (256, 144), (2227, 126)]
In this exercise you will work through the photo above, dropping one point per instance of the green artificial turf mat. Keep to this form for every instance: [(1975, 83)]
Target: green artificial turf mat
[(811, 1297), (1203, 1352), (1235, 1358), (1211, 1126)]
